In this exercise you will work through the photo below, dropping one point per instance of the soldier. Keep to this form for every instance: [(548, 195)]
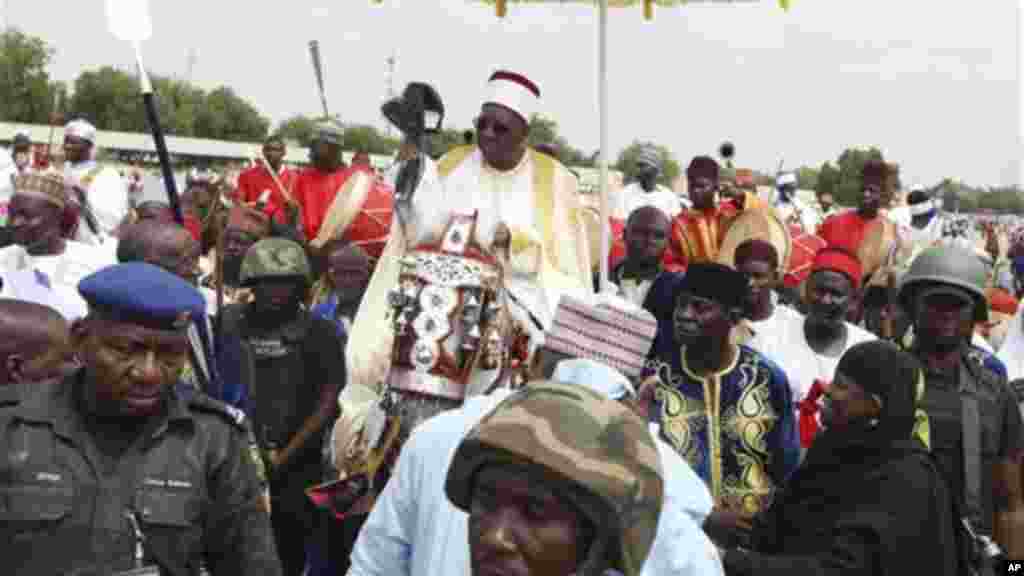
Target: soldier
[(548, 490), (290, 367), (117, 468), (975, 422)]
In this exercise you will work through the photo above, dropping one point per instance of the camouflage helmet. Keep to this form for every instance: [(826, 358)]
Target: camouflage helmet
[(602, 452), (275, 258), (949, 265)]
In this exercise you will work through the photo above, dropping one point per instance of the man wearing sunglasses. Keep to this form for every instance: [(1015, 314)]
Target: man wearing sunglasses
[(510, 187)]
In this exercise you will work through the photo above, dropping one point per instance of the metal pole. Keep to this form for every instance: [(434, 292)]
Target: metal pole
[(602, 98)]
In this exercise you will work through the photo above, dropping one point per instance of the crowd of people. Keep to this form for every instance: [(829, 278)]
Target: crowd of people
[(329, 370)]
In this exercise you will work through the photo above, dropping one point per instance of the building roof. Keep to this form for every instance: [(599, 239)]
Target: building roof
[(176, 145)]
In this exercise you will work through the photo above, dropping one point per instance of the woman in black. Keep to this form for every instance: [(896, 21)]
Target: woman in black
[(867, 499)]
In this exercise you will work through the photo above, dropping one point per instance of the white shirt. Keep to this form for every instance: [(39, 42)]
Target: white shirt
[(108, 198), (633, 196), (58, 276), (413, 530), (1011, 353), (781, 338), (795, 208)]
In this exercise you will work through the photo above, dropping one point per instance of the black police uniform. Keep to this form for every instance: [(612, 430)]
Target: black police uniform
[(66, 487), (999, 434)]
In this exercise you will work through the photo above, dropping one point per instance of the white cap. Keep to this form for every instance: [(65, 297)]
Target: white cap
[(81, 129), (600, 378), (785, 178), (515, 92)]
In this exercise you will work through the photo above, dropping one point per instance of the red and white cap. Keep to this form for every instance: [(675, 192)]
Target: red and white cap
[(515, 92)]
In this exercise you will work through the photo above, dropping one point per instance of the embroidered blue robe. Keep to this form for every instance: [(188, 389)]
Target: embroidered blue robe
[(737, 428)]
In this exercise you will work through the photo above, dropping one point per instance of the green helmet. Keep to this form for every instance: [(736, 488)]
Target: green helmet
[(275, 258), (949, 265), (603, 452)]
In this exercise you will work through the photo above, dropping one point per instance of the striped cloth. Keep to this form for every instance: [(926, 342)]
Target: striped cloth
[(617, 335)]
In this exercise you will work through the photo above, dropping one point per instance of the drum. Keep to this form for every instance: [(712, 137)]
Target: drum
[(805, 247), (370, 228), (762, 224)]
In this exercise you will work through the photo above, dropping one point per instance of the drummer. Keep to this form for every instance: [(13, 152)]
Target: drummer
[(697, 233)]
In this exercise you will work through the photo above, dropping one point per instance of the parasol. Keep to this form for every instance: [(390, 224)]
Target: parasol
[(500, 7)]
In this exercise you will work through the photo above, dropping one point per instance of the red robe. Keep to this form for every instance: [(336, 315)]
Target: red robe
[(845, 230), (256, 180), (315, 191), (697, 235)]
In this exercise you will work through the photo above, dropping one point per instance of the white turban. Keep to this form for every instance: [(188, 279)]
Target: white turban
[(599, 377), (81, 129)]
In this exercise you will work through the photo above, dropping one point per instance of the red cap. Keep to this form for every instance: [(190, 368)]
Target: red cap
[(836, 259)]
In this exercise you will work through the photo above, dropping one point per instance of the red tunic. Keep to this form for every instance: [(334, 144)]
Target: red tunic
[(697, 235), (315, 191), (844, 230), (253, 182)]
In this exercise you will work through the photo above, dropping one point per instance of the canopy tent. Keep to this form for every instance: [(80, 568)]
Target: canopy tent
[(501, 9)]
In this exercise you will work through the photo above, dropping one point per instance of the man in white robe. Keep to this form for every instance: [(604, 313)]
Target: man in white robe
[(529, 193), (644, 190), (55, 264), (102, 188), (790, 208)]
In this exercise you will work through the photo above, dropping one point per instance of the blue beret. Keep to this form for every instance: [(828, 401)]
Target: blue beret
[(140, 293)]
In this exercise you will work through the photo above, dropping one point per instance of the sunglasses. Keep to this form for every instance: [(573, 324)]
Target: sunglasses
[(483, 123)]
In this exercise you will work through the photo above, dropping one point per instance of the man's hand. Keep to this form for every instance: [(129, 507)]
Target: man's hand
[(727, 527)]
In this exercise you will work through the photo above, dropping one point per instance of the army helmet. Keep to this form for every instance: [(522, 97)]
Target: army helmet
[(275, 258), (948, 265), (600, 455)]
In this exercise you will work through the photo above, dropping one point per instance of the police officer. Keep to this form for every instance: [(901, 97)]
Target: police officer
[(117, 468), (974, 419), (291, 368)]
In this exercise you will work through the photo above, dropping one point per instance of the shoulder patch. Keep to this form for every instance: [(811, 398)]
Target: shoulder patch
[(203, 403)]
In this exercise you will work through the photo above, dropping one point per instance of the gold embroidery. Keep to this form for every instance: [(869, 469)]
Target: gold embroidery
[(682, 420)]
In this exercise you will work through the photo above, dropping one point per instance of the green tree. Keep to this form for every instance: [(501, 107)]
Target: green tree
[(365, 138), (224, 115), (26, 92), (297, 128), (828, 180), (447, 139), (807, 178), (851, 165), (109, 99), (626, 163), (545, 131)]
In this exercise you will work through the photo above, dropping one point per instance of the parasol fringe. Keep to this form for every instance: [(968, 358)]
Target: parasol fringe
[(648, 9), (500, 8)]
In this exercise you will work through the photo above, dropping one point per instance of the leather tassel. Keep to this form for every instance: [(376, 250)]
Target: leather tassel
[(500, 8), (648, 9)]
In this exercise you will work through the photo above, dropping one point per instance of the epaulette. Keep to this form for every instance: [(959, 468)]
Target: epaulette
[(202, 403)]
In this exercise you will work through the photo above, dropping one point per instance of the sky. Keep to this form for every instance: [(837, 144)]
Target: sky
[(932, 83)]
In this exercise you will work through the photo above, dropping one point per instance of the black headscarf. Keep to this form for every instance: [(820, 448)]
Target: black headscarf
[(884, 371)]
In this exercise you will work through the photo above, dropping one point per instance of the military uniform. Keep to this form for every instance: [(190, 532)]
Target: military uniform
[(170, 491), (973, 414)]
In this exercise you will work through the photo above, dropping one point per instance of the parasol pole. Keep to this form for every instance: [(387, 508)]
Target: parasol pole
[(602, 99)]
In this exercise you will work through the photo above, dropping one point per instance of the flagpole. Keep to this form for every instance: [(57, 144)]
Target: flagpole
[(602, 97)]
